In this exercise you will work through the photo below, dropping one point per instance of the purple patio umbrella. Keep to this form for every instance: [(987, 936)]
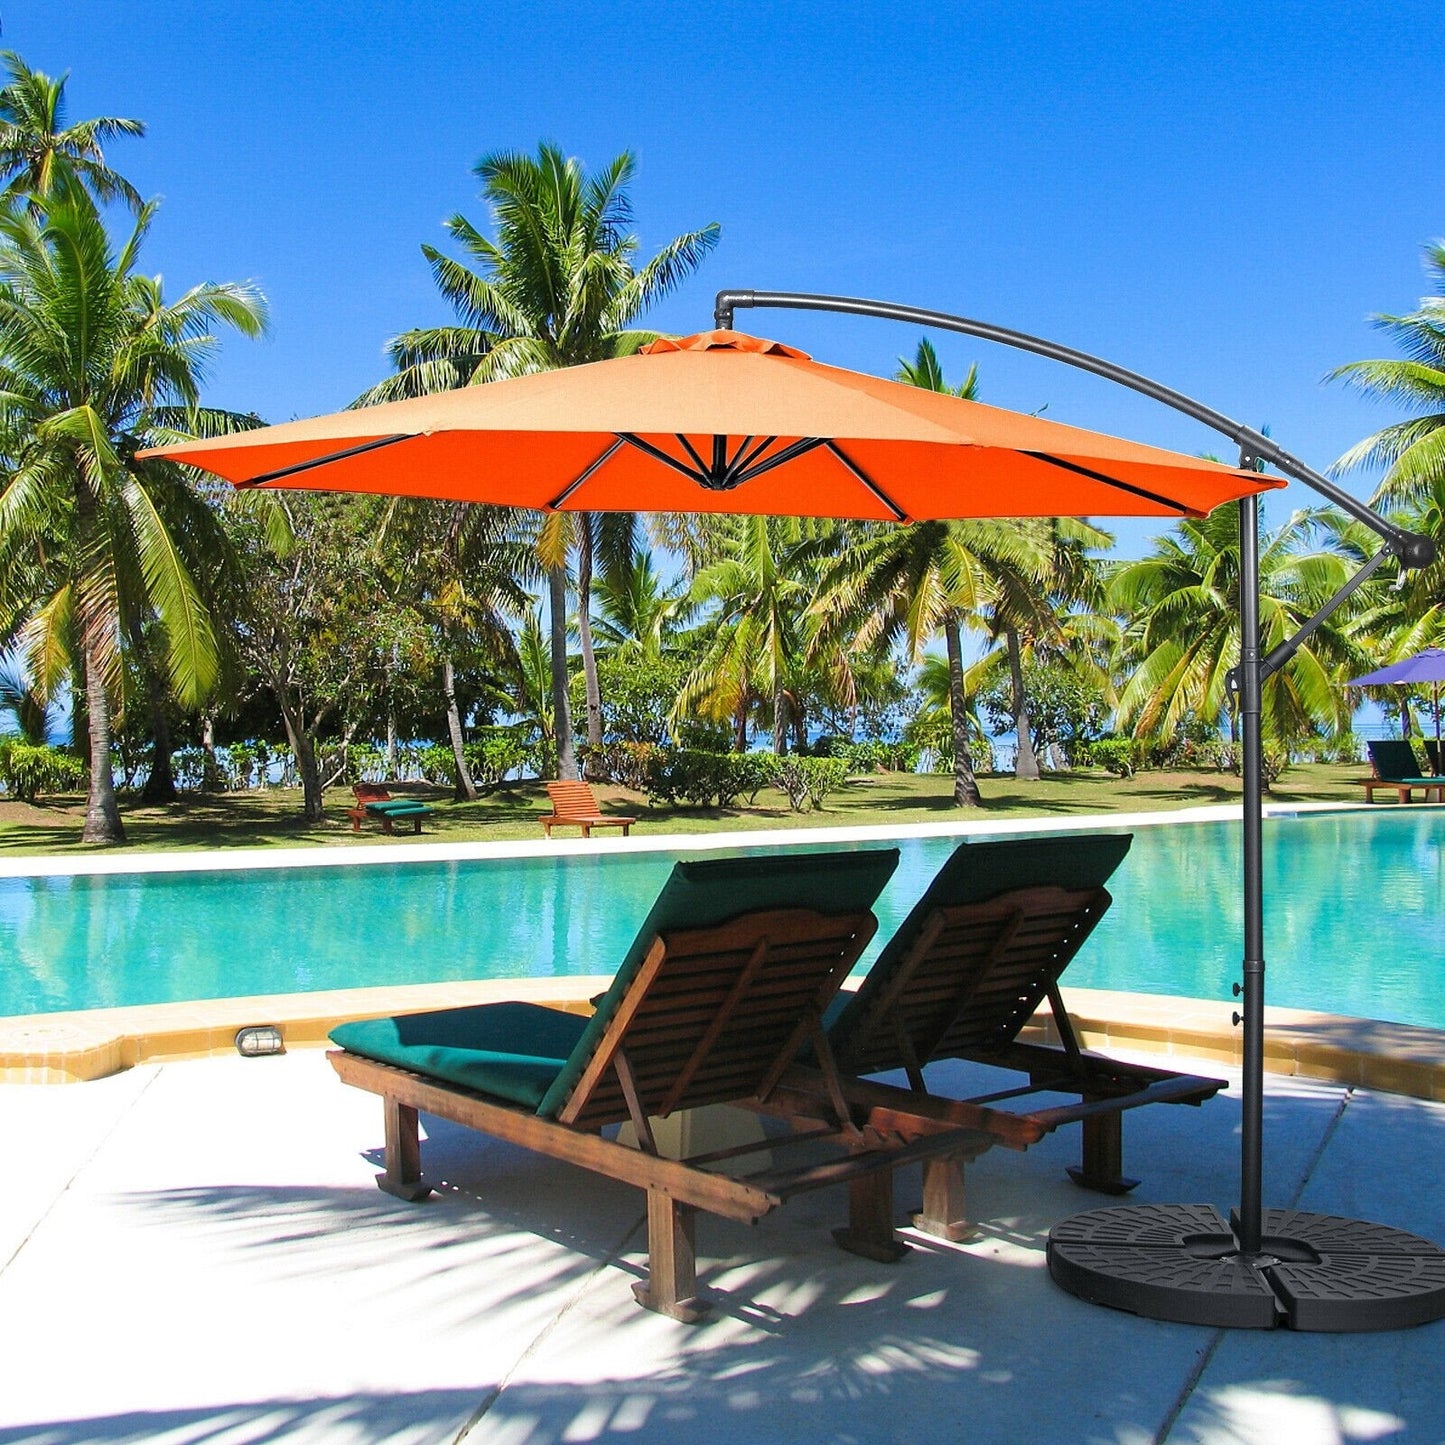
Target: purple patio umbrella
[(1425, 666)]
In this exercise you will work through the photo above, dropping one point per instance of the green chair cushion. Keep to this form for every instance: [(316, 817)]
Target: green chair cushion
[(511, 1050), (534, 1056), (712, 890), (1395, 762), (977, 872), (397, 805)]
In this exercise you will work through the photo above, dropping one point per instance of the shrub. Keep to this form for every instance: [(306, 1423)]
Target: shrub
[(1115, 755), (240, 764), (495, 753), (871, 755), (29, 769), (808, 780), (619, 762), (437, 765), (702, 778)]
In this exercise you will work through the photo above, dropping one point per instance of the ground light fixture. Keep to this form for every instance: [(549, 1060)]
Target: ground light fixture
[(257, 1040), (1184, 1262)]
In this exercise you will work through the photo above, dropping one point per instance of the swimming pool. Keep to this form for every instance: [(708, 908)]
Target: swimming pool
[(1355, 904)]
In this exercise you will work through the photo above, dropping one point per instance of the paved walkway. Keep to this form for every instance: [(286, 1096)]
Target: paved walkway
[(195, 1252)]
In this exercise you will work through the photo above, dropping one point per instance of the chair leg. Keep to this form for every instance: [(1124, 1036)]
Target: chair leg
[(944, 1214), (403, 1153), (671, 1286), (1102, 1168), (870, 1219)]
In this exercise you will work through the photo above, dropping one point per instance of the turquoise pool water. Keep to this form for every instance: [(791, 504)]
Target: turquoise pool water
[(1355, 906)]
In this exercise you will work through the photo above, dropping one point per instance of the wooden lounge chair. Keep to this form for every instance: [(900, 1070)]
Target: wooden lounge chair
[(373, 800), (573, 803), (1397, 768), (982, 949), (711, 1005), (1432, 755)]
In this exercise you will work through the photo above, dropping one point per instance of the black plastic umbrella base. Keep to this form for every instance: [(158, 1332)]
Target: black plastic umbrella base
[(1183, 1262)]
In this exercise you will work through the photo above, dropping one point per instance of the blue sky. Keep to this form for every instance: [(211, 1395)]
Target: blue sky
[(1216, 195)]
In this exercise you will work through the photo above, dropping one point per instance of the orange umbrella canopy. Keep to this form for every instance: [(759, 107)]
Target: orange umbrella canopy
[(723, 422)]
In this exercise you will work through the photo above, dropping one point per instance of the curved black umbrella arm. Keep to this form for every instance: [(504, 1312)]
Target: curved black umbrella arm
[(1411, 550)]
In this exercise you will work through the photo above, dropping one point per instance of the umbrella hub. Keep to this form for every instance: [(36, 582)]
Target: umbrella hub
[(724, 468), (722, 341)]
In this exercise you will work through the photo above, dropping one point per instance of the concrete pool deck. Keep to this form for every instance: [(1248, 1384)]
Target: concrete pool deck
[(195, 1252)]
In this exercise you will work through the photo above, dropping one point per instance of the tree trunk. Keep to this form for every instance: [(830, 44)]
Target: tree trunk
[(965, 785), (160, 786), (308, 767), (780, 723), (102, 816), (210, 763), (740, 727), (561, 707), (1026, 763), (390, 741), (466, 789), (584, 632)]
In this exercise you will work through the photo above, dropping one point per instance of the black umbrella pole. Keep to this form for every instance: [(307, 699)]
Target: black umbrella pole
[(1251, 1161)]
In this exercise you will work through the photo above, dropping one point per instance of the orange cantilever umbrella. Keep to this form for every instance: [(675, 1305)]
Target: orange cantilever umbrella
[(723, 422)]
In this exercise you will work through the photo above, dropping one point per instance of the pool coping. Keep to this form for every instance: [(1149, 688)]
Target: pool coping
[(88, 1044), (320, 856), (95, 1043)]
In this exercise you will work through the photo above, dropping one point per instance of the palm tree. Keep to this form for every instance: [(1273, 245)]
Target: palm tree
[(94, 365), (30, 711), (1394, 621), (757, 636), (925, 371), (462, 569), (557, 287), (1020, 608), (1184, 640), (1413, 451), (639, 614), (36, 145), (911, 583)]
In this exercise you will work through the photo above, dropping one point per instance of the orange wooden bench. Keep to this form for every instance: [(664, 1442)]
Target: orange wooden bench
[(573, 804)]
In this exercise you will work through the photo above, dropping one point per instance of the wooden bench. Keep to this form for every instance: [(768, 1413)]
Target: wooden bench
[(574, 805), (373, 800)]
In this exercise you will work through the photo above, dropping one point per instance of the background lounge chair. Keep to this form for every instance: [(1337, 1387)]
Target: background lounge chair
[(574, 803), (1396, 767), (725, 983), (373, 800), (982, 949)]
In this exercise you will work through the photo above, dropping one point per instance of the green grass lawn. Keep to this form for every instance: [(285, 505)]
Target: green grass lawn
[(272, 818)]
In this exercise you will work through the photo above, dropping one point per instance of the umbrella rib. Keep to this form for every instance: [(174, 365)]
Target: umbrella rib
[(315, 462), (692, 452), (1109, 481), (632, 439), (778, 459), (899, 515), (578, 480), (741, 463)]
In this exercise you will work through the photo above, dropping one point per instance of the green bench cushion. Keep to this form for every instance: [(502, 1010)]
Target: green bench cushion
[(511, 1050), (975, 873), (397, 806)]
